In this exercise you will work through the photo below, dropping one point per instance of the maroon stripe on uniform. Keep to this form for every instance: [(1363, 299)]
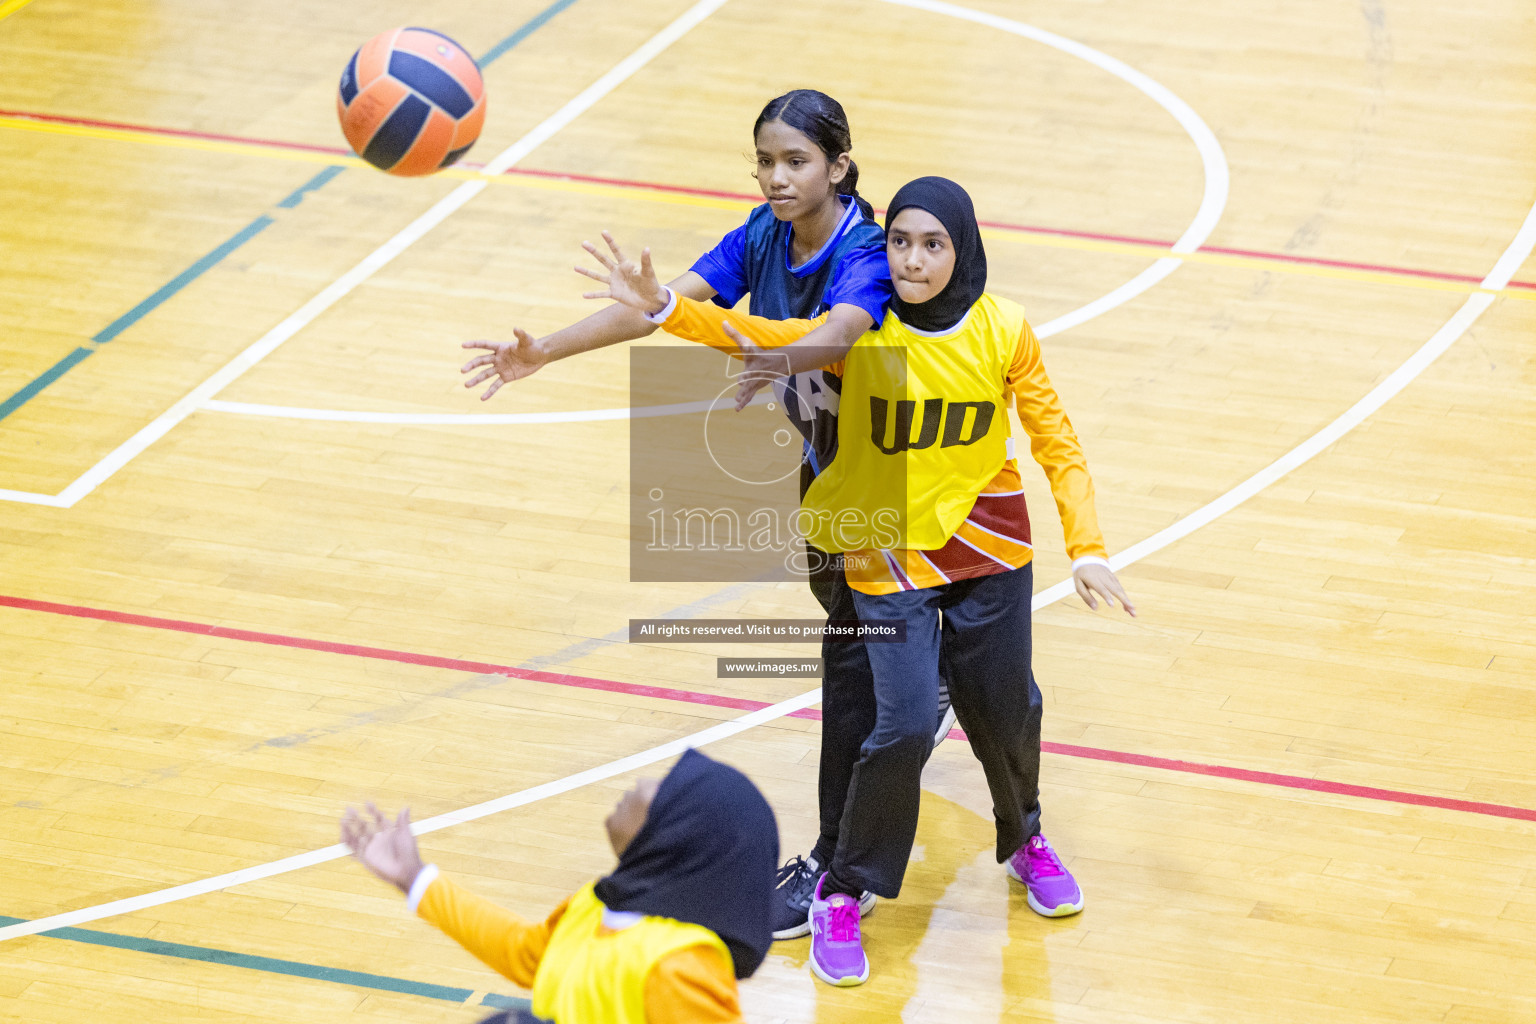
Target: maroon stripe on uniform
[(1006, 514), (959, 561)]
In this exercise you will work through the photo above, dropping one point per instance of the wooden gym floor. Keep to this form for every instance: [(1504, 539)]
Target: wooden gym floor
[(240, 591)]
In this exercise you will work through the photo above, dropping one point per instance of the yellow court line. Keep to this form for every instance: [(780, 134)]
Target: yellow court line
[(10, 7), (594, 188), (302, 156), (1017, 236), (174, 141)]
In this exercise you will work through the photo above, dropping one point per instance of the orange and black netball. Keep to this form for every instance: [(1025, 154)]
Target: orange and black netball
[(411, 101)]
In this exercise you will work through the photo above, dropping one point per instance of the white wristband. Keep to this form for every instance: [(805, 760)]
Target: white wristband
[(1078, 563), (666, 311), (424, 879)]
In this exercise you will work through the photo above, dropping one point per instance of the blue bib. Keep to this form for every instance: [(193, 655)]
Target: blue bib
[(760, 252)]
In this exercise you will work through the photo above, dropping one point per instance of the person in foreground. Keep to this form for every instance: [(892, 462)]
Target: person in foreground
[(660, 940), (924, 502)]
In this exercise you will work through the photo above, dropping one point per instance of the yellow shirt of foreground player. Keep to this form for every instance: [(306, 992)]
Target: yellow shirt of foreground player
[(655, 970)]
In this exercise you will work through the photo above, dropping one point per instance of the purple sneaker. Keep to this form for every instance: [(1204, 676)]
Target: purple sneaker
[(837, 954), (1053, 892)]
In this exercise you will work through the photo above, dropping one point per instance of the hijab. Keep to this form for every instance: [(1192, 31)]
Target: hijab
[(706, 855), (952, 206)]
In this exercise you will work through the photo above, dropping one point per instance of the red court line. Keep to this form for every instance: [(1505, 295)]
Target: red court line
[(175, 133), (402, 657), (1291, 781), (742, 704), (1034, 229), (1314, 261)]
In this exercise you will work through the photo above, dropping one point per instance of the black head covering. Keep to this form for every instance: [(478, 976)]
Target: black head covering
[(952, 206), (706, 854)]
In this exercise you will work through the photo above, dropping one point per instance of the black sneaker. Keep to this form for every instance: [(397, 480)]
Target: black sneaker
[(796, 886), (946, 713)]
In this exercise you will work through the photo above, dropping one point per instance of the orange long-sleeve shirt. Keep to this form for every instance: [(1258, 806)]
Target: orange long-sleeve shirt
[(691, 986), (995, 536)]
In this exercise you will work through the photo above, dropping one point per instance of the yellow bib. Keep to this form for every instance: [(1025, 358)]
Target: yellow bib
[(922, 427), (587, 977)]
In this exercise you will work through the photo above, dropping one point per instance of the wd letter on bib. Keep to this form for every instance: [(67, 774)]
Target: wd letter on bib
[(922, 430)]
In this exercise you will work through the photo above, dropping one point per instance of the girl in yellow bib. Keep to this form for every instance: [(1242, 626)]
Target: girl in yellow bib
[(661, 940), (924, 501)]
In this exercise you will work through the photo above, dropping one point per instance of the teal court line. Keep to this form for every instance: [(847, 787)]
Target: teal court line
[(272, 965), (217, 255), (247, 961)]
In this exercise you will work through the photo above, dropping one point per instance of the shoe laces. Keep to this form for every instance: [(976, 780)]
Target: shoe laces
[(1042, 859), (799, 877), (842, 918)]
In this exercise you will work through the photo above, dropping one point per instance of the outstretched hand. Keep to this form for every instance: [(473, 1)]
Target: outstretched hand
[(760, 367), (505, 360), (633, 284), (1100, 580), (384, 847)]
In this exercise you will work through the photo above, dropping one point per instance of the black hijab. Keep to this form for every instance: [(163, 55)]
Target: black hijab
[(952, 206), (706, 854)]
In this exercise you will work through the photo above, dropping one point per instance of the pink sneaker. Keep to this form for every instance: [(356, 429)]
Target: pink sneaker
[(1053, 892), (837, 953)]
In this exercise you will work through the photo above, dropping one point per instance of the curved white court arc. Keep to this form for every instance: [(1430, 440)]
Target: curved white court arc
[(1511, 259), (1504, 268), (370, 265), (1213, 201)]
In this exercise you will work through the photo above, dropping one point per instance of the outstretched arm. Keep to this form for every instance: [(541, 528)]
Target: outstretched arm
[(634, 284), (826, 345), (769, 349), (739, 334), (496, 936), (386, 848), (502, 362), (761, 344)]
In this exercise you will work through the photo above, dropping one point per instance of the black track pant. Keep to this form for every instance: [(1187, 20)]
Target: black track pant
[(878, 721), (847, 717)]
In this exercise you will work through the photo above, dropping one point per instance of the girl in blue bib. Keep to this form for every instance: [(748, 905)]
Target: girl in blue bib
[(812, 249)]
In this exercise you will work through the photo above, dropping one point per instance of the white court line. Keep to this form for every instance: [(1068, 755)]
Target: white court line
[(532, 795), (1509, 262), (380, 257), (29, 498), (1213, 201), (1514, 257), (1511, 259), (1217, 176), (290, 412), (1378, 396)]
